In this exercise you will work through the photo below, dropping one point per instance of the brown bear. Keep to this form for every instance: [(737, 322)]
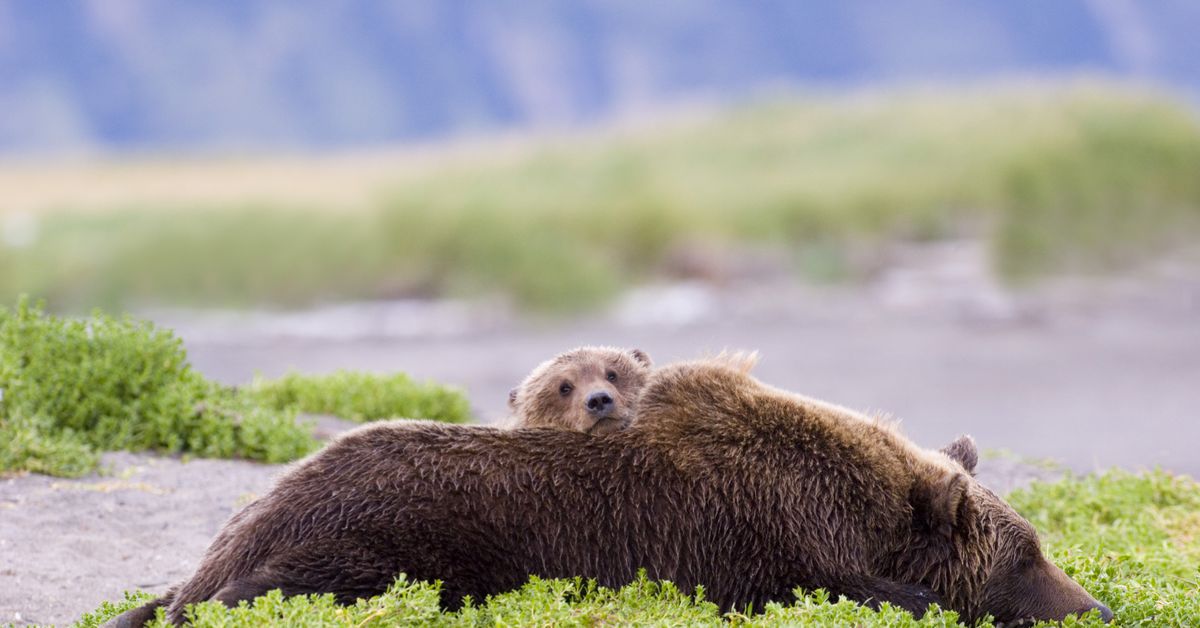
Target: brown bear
[(589, 389), (727, 483)]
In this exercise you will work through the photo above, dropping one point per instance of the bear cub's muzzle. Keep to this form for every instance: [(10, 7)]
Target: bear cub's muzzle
[(600, 404)]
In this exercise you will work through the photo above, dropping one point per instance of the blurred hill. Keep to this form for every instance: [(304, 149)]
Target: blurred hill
[(135, 75)]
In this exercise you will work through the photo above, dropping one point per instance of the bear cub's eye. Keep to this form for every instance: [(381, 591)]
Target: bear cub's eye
[(565, 389), (612, 376)]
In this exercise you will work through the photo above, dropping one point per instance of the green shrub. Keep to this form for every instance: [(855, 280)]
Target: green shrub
[(33, 444), (72, 388), (1133, 541), (362, 397)]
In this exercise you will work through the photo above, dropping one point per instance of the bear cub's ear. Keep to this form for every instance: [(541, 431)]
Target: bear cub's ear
[(937, 503), (964, 452), (512, 399), (642, 357)]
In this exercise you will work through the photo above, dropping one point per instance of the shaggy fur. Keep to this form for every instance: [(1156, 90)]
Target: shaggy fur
[(724, 482), (557, 392)]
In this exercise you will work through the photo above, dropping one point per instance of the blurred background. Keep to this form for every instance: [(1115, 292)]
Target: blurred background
[(979, 216)]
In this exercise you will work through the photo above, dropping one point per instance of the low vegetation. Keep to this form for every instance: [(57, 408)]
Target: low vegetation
[(1075, 178), (1133, 541), (361, 396), (70, 388)]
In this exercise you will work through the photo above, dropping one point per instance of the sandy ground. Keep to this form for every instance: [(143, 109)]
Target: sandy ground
[(70, 544), (1093, 382)]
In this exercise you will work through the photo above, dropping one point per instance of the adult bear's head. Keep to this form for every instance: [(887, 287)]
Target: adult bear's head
[(860, 495), (971, 547)]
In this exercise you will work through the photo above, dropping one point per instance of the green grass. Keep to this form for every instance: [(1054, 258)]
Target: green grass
[(361, 397), (1133, 541), (1077, 178), (71, 388)]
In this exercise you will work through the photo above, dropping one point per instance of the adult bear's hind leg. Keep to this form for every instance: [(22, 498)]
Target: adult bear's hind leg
[(229, 594), (137, 617), (243, 589)]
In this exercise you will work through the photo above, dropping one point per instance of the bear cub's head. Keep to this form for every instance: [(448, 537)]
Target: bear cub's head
[(590, 389)]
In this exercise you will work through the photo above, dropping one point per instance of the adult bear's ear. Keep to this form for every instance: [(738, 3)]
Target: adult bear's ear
[(642, 357), (937, 504), (512, 399), (964, 452)]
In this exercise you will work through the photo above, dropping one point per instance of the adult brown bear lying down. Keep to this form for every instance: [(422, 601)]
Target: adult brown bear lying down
[(722, 481)]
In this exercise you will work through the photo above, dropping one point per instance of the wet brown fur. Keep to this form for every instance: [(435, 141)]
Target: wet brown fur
[(539, 401), (723, 481)]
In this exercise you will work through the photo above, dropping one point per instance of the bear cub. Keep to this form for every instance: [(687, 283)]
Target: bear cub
[(594, 390)]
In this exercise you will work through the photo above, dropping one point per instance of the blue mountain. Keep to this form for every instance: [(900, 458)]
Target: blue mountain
[(118, 75)]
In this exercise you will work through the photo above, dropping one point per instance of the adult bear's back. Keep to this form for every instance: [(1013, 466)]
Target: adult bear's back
[(477, 508)]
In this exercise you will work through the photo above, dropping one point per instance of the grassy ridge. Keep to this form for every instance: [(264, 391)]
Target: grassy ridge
[(72, 388), (1133, 541), (1085, 177)]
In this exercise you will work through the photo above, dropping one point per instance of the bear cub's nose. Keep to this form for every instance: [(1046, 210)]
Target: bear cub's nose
[(599, 404)]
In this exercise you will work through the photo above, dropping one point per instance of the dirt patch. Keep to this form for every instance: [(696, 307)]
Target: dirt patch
[(70, 544)]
